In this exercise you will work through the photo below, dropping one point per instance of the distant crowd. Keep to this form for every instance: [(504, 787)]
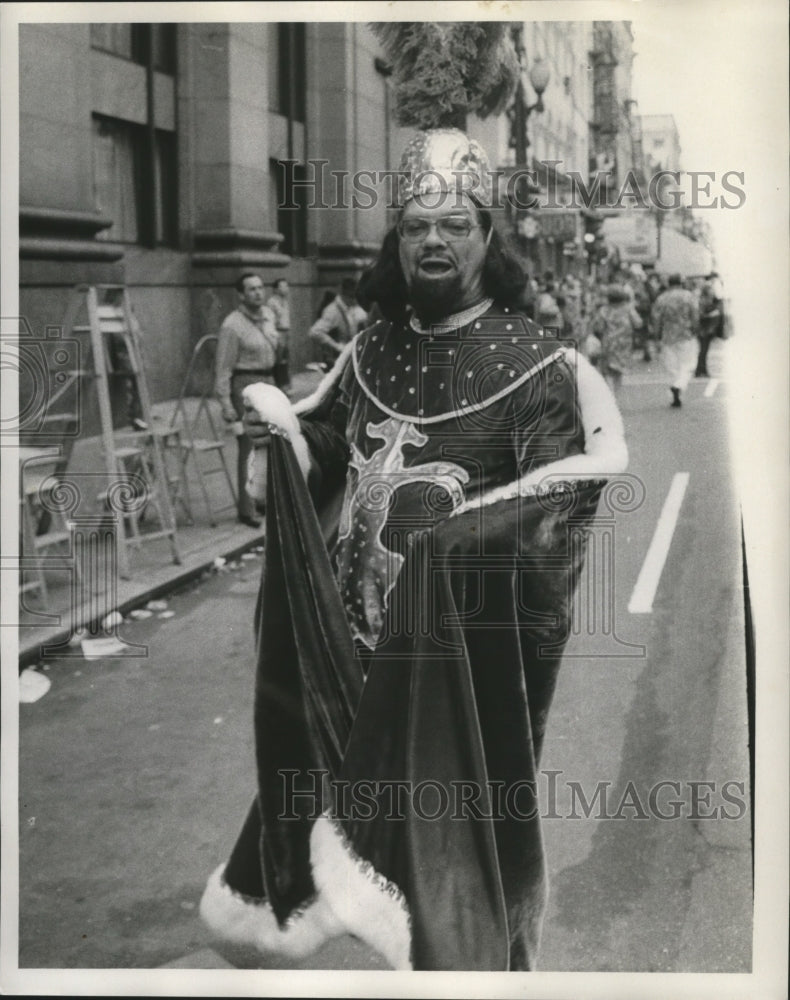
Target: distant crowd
[(634, 311)]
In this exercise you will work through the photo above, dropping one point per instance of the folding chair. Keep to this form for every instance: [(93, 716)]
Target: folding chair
[(200, 430)]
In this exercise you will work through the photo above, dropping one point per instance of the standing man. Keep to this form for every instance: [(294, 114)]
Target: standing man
[(412, 663), (246, 353), (711, 321), (339, 322), (280, 305), (674, 319), (637, 283)]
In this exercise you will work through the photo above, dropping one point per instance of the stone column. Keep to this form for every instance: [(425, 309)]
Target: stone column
[(225, 112), (346, 126)]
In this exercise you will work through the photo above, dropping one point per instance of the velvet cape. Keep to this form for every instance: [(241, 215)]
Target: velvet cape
[(397, 788)]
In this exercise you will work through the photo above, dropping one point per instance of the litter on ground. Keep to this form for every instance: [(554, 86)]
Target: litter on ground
[(32, 685), (112, 620), (95, 649)]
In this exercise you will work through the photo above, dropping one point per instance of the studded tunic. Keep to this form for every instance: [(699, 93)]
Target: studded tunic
[(430, 419)]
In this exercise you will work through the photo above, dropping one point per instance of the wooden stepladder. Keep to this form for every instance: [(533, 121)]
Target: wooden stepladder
[(134, 457)]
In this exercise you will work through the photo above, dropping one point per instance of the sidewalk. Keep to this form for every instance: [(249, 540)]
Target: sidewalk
[(153, 573)]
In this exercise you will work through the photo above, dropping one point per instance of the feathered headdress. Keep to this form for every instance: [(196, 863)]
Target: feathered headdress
[(445, 71)]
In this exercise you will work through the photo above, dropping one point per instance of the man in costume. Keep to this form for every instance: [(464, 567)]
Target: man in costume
[(452, 460)]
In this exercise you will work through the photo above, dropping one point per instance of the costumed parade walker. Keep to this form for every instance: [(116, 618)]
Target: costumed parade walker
[(415, 602)]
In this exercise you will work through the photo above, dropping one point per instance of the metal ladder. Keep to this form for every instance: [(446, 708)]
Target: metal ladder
[(134, 459)]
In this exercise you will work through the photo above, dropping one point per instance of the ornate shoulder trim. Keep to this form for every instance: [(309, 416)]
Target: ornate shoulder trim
[(454, 321), (462, 411)]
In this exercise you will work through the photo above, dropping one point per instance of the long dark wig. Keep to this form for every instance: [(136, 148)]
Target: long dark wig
[(383, 282)]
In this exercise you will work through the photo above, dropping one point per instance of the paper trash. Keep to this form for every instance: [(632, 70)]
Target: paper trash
[(95, 649), (33, 685)]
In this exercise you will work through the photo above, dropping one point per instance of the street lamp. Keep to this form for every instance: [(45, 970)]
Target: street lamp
[(539, 76)]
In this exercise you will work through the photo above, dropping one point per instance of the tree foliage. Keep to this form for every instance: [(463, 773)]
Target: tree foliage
[(444, 71)]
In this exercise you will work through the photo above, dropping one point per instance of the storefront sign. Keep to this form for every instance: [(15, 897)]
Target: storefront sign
[(558, 225)]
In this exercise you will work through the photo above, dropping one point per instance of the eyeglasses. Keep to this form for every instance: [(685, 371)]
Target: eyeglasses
[(452, 228)]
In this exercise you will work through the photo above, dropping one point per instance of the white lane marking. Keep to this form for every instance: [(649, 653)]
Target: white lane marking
[(641, 602), (711, 387)]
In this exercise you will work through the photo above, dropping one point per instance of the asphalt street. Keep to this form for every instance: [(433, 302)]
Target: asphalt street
[(135, 772), (641, 892)]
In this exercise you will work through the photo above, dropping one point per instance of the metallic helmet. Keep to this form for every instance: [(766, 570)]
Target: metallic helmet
[(444, 160)]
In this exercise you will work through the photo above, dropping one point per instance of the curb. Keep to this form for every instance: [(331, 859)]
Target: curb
[(31, 654)]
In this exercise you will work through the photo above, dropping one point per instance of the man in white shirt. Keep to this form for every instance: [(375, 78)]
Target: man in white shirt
[(339, 323), (247, 352)]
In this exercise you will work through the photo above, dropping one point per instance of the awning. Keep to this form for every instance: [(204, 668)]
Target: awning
[(635, 235), (680, 255)]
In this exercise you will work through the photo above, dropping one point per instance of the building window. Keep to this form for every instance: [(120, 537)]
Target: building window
[(163, 47), (291, 205), (116, 169), (291, 56), (134, 41), (125, 172), (165, 219), (135, 162)]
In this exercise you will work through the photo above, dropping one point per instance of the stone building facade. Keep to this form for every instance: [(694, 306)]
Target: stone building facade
[(159, 156)]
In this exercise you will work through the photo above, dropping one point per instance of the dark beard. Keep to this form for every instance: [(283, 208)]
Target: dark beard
[(433, 300)]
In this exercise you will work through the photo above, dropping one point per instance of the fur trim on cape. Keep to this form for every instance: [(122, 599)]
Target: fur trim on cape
[(371, 907), (352, 898), (326, 384), (242, 920)]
